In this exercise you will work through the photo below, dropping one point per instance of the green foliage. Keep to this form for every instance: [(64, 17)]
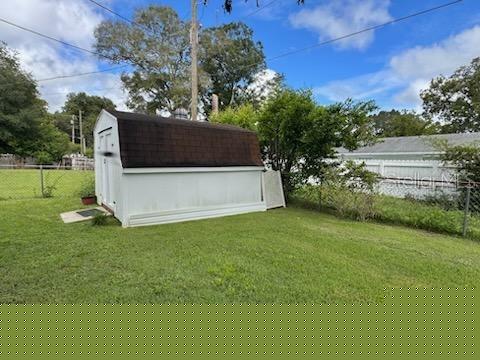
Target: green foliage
[(231, 58), (99, 220), (282, 256), (455, 100), (90, 105), (347, 190), (402, 123), (87, 187), (21, 111), (159, 49), (428, 214), (338, 200), (25, 127), (244, 116), (420, 215), (52, 143), (465, 159), (297, 136)]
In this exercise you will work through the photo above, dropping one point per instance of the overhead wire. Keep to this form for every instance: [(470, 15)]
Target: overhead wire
[(340, 38)]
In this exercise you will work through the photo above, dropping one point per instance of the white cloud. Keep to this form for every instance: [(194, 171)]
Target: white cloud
[(410, 71), (341, 17), (69, 21)]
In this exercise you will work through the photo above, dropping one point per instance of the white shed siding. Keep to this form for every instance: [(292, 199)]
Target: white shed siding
[(108, 123), (146, 196), (176, 194)]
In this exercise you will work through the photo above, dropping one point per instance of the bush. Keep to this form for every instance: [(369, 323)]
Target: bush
[(418, 214), (100, 220), (87, 188), (409, 212), (339, 200)]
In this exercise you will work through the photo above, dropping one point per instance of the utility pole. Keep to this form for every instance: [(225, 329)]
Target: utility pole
[(214, 104), (80, 124), (72, 122), (194, 43)]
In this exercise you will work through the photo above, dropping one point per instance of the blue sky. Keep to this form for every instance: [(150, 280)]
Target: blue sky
[(390, 65)]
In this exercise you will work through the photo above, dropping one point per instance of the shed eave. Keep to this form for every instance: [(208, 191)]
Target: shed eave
[(392, 153), (193, 169)]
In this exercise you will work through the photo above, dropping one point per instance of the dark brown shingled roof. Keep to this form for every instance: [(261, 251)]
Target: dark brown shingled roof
[(154, 141)]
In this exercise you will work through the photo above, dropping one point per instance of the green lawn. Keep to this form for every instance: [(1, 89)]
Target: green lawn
[(25, 183), (285, 255)]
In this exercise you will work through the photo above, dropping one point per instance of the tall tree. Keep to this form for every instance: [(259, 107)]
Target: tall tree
[(231, 58), (25, 128), (456, 100), (157, 46), (298, 137), (90, 105), (402, 123)]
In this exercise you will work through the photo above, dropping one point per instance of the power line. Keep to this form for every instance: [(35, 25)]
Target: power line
[(53, 39), (114, 13), (133, 22), (82, 74), (346, 36), (343, 37), (261, 8), (77, 91), (371, 28)]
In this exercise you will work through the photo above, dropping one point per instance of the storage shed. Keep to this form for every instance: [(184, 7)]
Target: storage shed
[(155, 170)]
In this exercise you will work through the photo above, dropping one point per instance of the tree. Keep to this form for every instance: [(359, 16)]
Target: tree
[(266, 84), (157, 46), (465, 159), (231, 58), (402, 123), (25, 128), (298, 137), (456, 100), (90, 105), (244, 116), (52, 143)]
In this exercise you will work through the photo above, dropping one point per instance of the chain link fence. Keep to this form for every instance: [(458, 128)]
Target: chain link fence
[(42, 181), (441, 206)]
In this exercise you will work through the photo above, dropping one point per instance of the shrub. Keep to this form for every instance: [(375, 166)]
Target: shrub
[(99, 220), (339, 200), (87, 188)]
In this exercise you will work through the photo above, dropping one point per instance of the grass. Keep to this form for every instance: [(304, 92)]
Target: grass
[(285, 255), (425, 216), (25, 183), (390, 210)]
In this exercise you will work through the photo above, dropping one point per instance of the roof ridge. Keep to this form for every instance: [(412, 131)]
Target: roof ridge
[(132, 116)]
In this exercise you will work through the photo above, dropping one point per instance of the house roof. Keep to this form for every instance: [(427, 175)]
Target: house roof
[(413, 144), (154, 141)]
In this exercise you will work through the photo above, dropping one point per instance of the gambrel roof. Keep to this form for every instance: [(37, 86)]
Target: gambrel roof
[(154, 141)]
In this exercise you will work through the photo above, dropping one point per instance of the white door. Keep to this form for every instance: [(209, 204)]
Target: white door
[(106, 140)]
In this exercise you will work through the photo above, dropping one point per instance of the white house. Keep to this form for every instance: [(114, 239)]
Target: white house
[(155, 170), (411, 165)]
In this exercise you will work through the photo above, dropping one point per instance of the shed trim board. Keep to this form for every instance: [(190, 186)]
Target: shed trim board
[(148, 191), (191, 169), (167, 217)]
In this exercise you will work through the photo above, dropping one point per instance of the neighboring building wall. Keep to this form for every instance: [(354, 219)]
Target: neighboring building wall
[(164, 195), (417, 178)]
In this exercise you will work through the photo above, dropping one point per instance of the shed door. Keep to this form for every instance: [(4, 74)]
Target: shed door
[(107, 175)]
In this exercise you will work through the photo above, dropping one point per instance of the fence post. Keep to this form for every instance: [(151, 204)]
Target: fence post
[(42, 185), (465, 215)]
